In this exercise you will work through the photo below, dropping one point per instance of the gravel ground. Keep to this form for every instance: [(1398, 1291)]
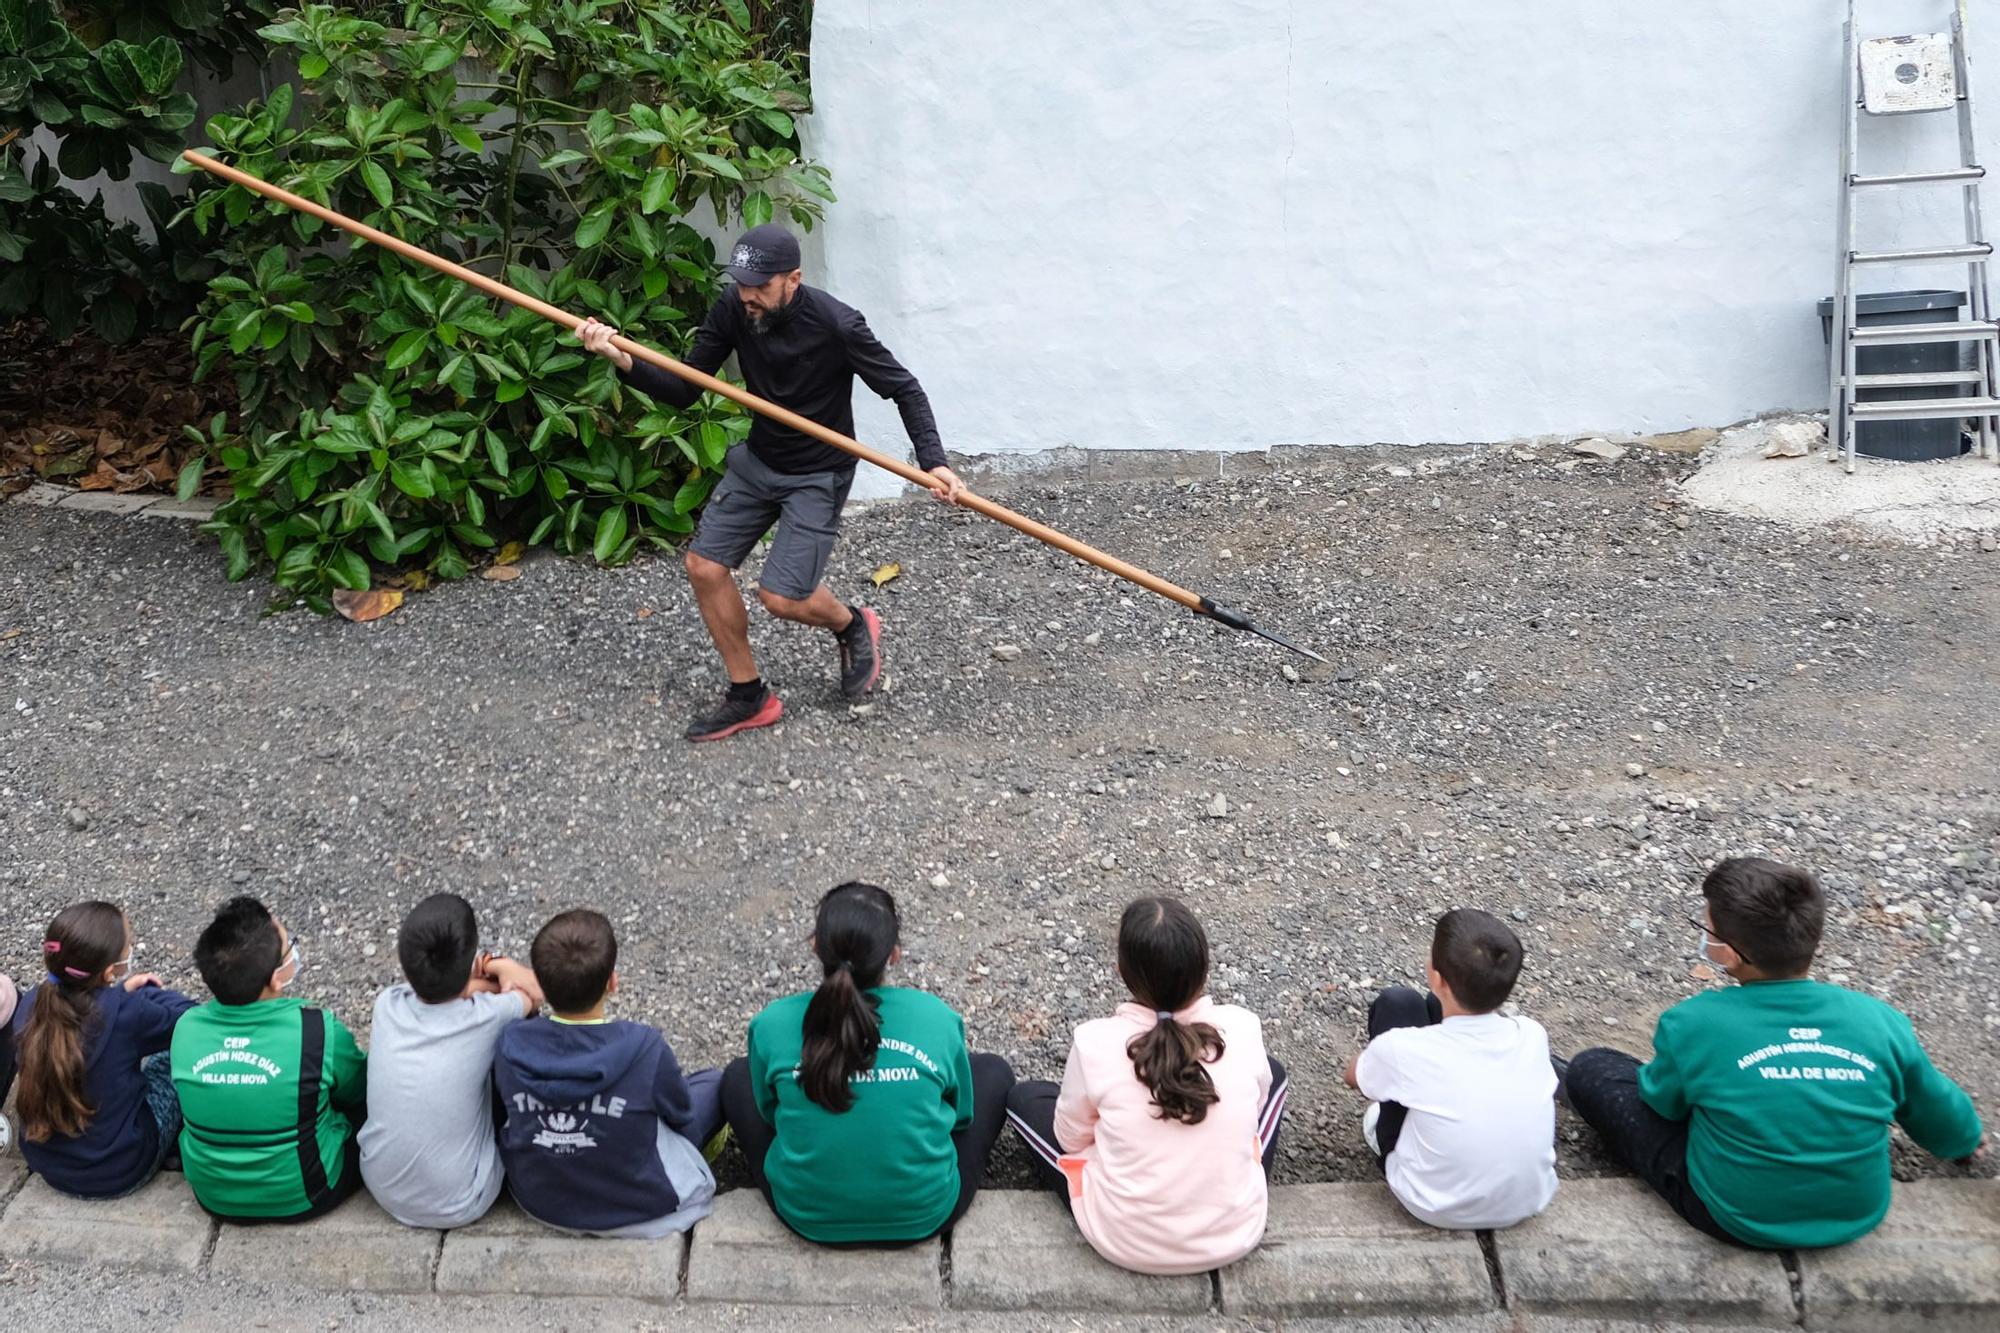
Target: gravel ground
[(1553, 692)]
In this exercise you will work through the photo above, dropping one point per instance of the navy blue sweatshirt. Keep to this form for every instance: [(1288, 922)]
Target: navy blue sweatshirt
[(120, 1146), (805, 359), (584, 1105)]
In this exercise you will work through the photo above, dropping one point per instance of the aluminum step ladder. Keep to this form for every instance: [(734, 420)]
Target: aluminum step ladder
[(1890, 76)]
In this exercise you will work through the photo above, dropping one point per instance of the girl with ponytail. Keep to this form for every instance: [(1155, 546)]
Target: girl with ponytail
[(96, 1097), (863, 1116), (1161, 1134)]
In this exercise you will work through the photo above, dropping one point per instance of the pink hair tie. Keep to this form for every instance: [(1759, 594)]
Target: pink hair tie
[(76, 971), (51, 946)]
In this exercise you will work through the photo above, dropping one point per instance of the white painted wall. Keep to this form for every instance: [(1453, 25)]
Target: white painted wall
[(1237, 224)]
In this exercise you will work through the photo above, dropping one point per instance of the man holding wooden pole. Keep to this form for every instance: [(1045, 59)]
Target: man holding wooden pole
[(800, 348)]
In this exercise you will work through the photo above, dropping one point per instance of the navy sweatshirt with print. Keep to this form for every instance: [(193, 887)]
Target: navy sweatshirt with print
[(584, 1104)]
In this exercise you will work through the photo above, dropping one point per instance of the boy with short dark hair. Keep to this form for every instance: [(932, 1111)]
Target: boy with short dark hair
[(603, 1133), (1763, 1116), (269, 1085), (1463, 1116), (428, 1151)]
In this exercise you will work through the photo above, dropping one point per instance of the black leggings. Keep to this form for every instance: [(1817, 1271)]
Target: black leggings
[(992, 1077), (1603, 1087), (1032, 1108)]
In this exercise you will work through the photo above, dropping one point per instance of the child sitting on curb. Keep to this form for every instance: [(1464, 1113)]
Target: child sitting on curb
[(428, 1150), (1161, 1137), (864, 1118), (270, 1086), (603, 1133), (1763, 1116), (1463, 1115), (97, 1106)]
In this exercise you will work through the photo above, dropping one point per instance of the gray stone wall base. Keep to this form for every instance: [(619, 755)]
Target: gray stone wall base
[(1352, 1250), (356, 1247), (161, 1228), (1020, 1250), (508, 1252), (1933, 1264), (743, 1254)]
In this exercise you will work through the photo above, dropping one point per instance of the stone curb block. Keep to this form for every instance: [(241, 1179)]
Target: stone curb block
[(106, 502), (1020, 1250), (1933, 1264), (43, 494), (508, 1252), (356, 1247), (12, 1172), (192, 511), (744, 1254), (1612, 1248), (1352, 1250), (161, 1228)]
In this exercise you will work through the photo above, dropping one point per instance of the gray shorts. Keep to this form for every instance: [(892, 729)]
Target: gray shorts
[(750, 498)]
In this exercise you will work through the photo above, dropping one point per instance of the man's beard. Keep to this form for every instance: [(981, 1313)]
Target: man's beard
[(760, 320)]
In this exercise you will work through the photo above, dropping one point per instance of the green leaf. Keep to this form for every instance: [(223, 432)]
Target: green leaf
[(590, 232), (721, 166), (407, 348), (558, 483), (411, 481), (611, 527), (468, 139), (312, 65), (652, 282), (563, 159), (377, 181), (349, 569), (496, 453), (756, 209), (236, 551), (190, 478), (658, 191), (739, 14)]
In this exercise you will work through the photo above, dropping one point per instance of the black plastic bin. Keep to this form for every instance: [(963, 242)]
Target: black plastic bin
[(1906, 441)]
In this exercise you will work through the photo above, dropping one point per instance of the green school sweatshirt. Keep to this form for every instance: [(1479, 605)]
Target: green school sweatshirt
[(1788, 1088), (261, 1085), (886, 1168)]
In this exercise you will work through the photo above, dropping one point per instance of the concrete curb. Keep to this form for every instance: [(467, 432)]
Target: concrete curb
[(1606, 1249), (49, 496)]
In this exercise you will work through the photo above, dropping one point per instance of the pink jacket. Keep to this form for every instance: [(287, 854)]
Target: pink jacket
[(1154, 1195)]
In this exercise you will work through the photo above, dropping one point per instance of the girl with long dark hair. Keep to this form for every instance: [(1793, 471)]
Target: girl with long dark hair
[(96, 1097), (865, 1119), (1161, 1135)]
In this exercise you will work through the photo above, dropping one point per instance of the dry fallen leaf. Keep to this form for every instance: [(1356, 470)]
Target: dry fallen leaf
[(887, 572), (644, 613), (417, 579), (362, 607), (1702, 972), (502, 573), (511, 553), (14, 633)]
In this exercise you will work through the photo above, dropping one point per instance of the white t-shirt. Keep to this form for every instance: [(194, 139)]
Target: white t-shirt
[(1478, 1148)]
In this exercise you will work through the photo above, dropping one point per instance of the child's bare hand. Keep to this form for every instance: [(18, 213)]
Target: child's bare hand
[(140, 980), (516, 979)]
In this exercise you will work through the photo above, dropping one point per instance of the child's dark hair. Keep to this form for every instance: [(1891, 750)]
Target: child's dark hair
[(854, 934), (80, 944), (573, 957), (1478, 957), (1772, 914), (1163, 956), (238, 951), (438, 945)]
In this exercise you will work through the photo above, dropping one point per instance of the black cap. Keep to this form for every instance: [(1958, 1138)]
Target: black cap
[(762, 253)]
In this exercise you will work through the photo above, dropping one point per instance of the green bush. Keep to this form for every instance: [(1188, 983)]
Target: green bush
[(393, 414), (104, 80)]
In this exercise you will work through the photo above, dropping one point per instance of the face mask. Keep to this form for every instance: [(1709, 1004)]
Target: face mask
[(292, 961)]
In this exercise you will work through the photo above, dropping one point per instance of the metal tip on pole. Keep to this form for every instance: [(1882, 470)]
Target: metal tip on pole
[(1237, 620)]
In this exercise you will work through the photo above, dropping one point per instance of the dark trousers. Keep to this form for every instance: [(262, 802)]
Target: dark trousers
[(992, 1078), (1603, 1087), (1031, 1106), (1397, 1007)]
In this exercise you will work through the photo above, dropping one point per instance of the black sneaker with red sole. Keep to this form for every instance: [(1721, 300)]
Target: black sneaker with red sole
[(861, 654), (734, 715)]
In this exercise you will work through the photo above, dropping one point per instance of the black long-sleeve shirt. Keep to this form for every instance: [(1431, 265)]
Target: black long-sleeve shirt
[(805, 359)]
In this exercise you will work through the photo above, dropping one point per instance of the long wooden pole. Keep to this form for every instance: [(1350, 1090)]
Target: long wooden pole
[(978, 503)]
